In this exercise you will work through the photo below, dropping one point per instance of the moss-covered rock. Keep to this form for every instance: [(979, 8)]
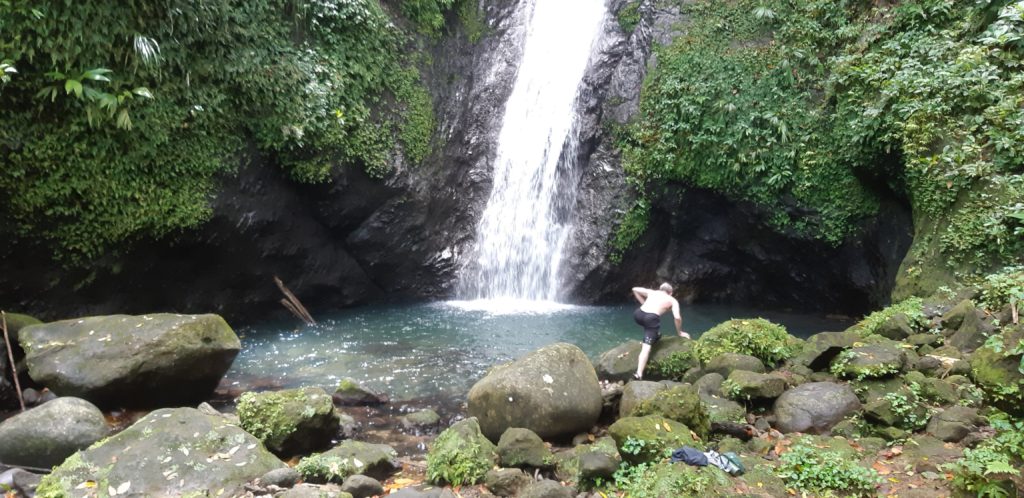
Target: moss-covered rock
[(460, 455), (680, 403), (767, 341), (744, 385), (678, 479), (954, 423), (349, 458), (155, 359), (667, 355), (350, 393), (870, 361), (997, 370), (649, 437), (291, 421), (420, 421), (636, 392), (725, 363), (553, 391), (897, 327), (722, 409), (506, 482), (520, 447), (170, 452)]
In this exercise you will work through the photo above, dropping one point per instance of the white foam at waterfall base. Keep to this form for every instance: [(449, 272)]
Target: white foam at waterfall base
[(520, 237)]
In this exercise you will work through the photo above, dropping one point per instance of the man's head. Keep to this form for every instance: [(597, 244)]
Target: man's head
[(666, 288)]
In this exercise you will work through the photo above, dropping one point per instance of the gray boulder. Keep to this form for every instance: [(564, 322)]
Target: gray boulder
[(884, 359), (710, 384), (553, 391), (421, 421), (20, 482), (820, 349), (547, 488), (971, 334), (520, 447), (305, 490), (897, 327), (506, 482), (160, 359), (814, 407), (952, 319), (725, 364), (49, 433), (170, 452), (360, 486), (291, 421), (954, 423), (635, 393), (619, 363), (284, 477)]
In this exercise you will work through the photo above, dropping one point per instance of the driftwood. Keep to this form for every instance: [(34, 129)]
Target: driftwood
[(10, 357), (743, 432), (292, 303)]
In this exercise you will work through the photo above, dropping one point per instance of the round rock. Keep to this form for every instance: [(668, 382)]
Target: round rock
[(49, 433), (814, 407)]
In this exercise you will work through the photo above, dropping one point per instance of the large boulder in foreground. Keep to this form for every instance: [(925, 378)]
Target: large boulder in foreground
[(814, 407), (553, 391), (46, 435), (161, 359), (170, 452)]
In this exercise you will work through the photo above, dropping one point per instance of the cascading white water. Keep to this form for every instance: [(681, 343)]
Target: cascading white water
[(520, 236)]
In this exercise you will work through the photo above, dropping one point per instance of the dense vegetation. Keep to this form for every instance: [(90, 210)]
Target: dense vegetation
[(118, 117), (812, 108)]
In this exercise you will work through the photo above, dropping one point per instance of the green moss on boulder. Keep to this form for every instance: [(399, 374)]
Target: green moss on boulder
[(680, 403), (460, 455), (291, 421), (767, 341), (657, 435)]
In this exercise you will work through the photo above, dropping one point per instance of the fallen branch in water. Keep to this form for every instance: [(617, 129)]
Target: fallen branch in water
[(292, 303), (10, 357), (34, 470)]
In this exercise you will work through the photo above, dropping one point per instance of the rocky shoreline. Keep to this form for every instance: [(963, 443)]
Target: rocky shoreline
[(887, 407)]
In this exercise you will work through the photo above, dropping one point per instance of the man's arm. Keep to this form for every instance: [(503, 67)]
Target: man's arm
[(640, 294), (679, 319)]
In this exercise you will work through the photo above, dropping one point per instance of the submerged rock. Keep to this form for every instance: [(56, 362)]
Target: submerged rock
[(155, 359), (351, 393), (420, 421), (170, 452), (47, 434), (814, 407), (553, 391)]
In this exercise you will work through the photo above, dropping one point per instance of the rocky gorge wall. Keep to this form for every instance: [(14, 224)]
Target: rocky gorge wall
[(357, 240)]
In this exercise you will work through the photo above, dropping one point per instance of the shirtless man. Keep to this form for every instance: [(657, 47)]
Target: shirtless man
[(653, 304)]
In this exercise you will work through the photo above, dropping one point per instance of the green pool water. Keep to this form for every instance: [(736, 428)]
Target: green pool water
[(431, 354)]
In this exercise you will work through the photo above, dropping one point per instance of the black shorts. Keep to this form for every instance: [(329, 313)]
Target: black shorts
[(651, 324)]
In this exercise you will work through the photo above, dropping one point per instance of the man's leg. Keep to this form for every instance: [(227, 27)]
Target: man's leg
[(645, 352)]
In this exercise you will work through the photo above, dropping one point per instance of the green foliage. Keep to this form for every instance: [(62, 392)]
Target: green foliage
[(808, 108), (1005, 287), (473, 21), (632, 226), (661, 480), (629, 16), (265, 416), (427, 15), (91, 166), (769, 342), (456, 461), (983, 470), (673, 367), (912, 307), (808, 468)]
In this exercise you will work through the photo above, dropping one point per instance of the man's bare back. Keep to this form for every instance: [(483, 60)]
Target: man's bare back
[(656, 301)]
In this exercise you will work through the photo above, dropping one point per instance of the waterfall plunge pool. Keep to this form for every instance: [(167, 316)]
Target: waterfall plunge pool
[(429, 355)]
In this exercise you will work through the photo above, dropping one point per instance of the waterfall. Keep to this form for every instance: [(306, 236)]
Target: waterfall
[(525, 225)]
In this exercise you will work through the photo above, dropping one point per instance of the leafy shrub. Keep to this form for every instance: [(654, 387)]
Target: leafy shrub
[(629, 16), (905, 405), (840, 367), (662, 480), (912, 307), (769, 342), (810, 469), (983, 469), (1005, 287)]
